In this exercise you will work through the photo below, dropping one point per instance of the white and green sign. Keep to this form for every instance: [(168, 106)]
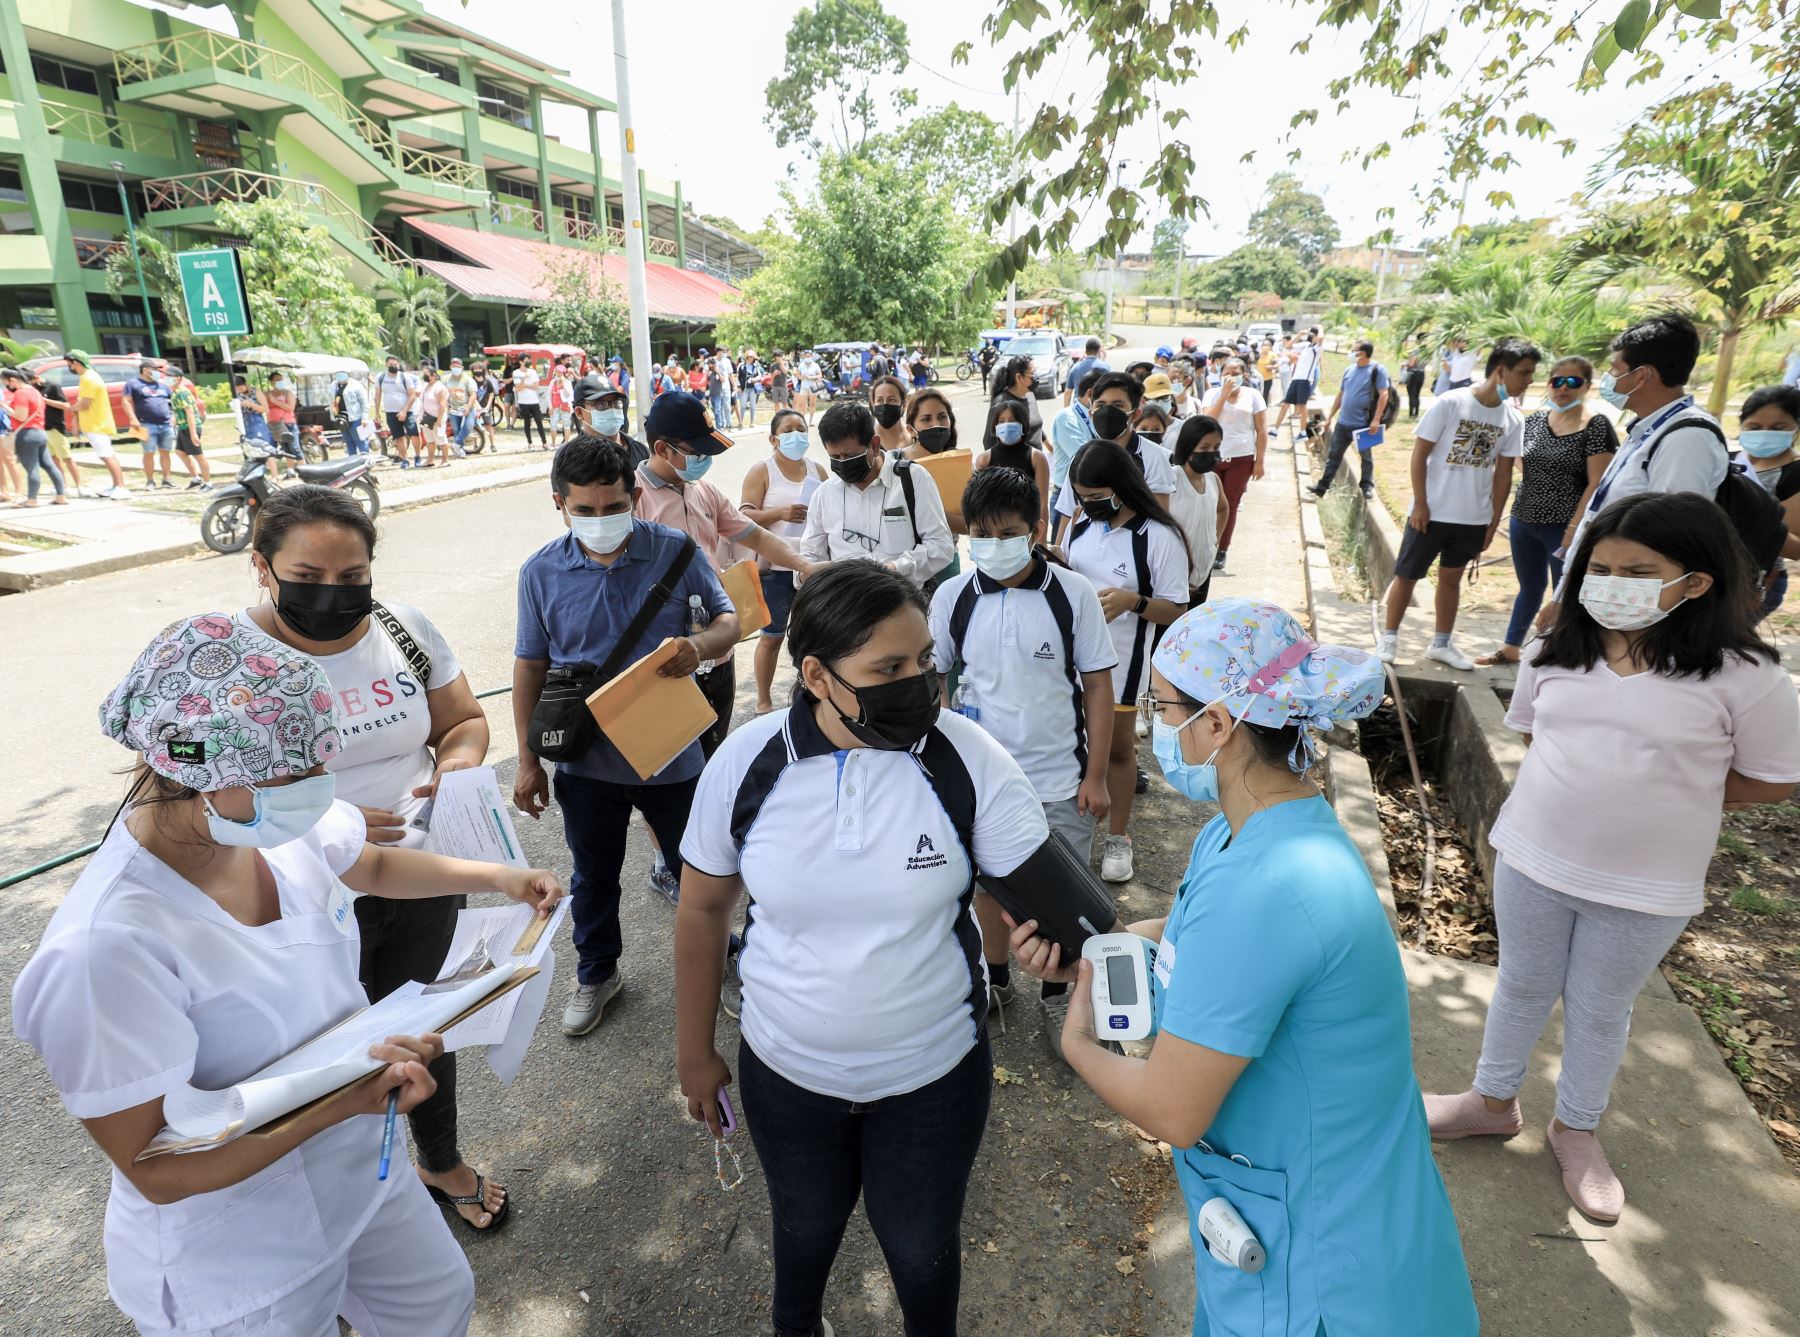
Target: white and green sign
[(212, 282)]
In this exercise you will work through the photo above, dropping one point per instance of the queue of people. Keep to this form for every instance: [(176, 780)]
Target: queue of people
[(998, 710)]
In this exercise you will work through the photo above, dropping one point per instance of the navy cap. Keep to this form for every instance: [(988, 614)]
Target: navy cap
[(685, 420)]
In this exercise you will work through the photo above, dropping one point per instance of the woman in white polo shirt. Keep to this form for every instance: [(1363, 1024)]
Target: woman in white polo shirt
[(865, 1061), (409, 717), (1133, 553)]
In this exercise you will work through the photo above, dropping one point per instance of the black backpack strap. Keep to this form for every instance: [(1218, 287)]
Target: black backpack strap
[(1682, 420), (1140, 560), (659, 595), (903, 467), (949, 778), (416, 658), (960, 613), (1064, 613)]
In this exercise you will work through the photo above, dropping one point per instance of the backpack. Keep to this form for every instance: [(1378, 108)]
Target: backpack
[(1752, 509), (1392, 411)]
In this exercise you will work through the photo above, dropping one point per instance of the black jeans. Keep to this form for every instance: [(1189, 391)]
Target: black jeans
[(719, 687), (1342, 438), (407, 940), (533, 413), (596, 817), (909, 1157), (1414, 386)]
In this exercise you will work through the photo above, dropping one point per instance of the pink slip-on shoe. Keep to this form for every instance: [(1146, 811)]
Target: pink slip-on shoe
[(1466, 1115), (1586, 1175)]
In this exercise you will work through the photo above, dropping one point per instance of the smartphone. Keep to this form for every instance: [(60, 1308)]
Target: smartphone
[(727, 1116)]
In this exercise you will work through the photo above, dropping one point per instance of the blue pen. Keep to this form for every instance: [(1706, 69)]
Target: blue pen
[(387, 1133)]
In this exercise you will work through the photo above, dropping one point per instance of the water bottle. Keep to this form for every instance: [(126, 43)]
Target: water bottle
[(696, 623)]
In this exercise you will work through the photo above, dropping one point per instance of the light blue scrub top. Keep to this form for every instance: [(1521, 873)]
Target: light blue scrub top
[(1277, 950)]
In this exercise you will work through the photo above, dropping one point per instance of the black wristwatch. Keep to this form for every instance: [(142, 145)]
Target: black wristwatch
[(1142, 604)]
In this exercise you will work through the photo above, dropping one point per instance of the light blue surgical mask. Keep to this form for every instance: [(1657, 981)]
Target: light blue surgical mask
[(1573, 406), (695, 468), (1608, 390), (608, 422), (282, 813), (1197, 781), (601, 533), (1763, 445), (792, 444), (1504, 393), (1001, 559), (1009, 433)]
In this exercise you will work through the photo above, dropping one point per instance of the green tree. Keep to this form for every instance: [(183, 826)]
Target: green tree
[(1724, 223), (415, 314), (1490, 292), (952, 148), (1294, 219), (163, 278), (1402, 49), (869, 256), (1336, 283), (585, 308), (835, 52), (1168, 241), (299, 288), (1250, 269)]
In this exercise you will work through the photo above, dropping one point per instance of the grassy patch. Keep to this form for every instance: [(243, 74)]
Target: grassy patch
[(1734, 844), (1720, 1009), (1754, 902)]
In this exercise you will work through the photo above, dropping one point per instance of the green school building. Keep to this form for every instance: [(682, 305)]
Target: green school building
[(411, 140)]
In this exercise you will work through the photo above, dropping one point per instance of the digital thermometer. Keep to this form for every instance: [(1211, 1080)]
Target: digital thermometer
[(1121, 985)]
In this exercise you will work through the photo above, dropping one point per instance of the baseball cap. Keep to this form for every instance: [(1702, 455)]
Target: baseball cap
[(79, 355), (1157, 385), (686, 420), (592, 389)]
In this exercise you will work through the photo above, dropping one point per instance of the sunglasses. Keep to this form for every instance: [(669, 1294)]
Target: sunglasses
[(1567, 382)]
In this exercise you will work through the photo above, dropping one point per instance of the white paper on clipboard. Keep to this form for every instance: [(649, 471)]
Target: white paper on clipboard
[(506, 1026), (469, 820)]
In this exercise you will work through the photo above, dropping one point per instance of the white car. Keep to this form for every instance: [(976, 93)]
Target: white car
[(1264, 329)]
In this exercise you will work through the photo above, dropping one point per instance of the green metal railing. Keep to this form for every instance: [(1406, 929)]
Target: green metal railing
[(205, 50), (204, 190), (92, 126)]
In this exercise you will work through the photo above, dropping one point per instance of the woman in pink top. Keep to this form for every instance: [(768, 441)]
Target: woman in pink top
[(1649, 708)]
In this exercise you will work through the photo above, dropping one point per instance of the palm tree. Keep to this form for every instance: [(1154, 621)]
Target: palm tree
[(415, 313), (1487, 293), (1724, 231)]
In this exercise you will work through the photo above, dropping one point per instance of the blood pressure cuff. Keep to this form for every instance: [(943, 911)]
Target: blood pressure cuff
[(1056, 887)]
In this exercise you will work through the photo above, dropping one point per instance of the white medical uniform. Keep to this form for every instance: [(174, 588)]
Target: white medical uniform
[(143, 983)]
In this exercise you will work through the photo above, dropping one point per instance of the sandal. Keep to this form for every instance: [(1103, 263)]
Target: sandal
[(1498, 657), (476, 1199)]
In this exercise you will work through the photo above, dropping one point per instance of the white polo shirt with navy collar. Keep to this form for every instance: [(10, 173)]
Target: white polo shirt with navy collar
[(862, 965), (1103, 553), (1017, 680)]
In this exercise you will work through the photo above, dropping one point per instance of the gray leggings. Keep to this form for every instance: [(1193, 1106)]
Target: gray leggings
[(32, 446), (1595, 958)]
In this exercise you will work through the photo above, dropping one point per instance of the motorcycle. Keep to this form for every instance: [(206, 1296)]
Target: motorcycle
[(229, 517)]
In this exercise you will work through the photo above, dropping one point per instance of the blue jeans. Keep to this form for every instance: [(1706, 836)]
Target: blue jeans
[(596, 816), (1536, 569), (908, 1157), (721, 409), (159, 436), (353, 442), (460, 426)]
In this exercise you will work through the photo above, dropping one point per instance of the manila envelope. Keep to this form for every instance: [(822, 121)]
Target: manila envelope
[(950, 470), (648, 717), (743, 584)]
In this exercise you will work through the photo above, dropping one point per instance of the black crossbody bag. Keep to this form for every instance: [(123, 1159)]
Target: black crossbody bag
[(562, 727)]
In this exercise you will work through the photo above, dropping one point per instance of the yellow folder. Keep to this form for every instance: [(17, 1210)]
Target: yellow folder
[(648, 717), (950, 470), (743, 584)]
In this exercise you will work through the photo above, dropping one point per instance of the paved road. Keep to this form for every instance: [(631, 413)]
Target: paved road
[(615, 1190)]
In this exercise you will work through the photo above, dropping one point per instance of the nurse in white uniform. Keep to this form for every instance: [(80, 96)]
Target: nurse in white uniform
[(211, 933)]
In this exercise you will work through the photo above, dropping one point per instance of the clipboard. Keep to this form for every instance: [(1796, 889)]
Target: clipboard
[(743, 586), (649, 718)]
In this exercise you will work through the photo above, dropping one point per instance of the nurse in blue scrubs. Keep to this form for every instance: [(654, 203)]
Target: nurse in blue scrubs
[(1281, 1072)]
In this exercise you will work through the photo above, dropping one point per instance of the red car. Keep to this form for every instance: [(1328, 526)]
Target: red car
[(114, 368)]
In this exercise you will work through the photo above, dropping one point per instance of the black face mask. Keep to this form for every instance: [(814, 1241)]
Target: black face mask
[(852, 470), (1151, 436), (935, 439), (895, 715), (1203, 461), (1100, 508), (1109, 421), (323, 612), (886, 414)]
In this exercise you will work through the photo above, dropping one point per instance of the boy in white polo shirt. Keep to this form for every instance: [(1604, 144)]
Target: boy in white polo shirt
[(1035, 660), (1462, 466)]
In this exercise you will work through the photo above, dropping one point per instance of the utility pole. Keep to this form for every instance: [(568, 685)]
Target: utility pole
[(641, 372), (1112, 267), (1012, 224), (1381, 268), (137, 260)]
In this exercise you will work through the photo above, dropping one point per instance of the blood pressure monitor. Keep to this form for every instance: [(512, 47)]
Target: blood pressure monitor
[(1121, 984)]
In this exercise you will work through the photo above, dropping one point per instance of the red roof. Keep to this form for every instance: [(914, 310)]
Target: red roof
[(511, 269)]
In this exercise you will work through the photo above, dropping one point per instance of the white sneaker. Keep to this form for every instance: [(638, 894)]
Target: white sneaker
[(117, 493), (1115, 858), (1143, 730), (1451, 657), (1387, 646)]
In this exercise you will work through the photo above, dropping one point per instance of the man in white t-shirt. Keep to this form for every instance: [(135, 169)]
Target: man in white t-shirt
[(1462, 467), (1302, 364), (1459, 363), (528, 401)]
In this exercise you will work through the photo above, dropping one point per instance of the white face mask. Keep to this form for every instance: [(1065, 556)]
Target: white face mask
[(1626, 603), (282, 814), (1001, 559), (601, 533)]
